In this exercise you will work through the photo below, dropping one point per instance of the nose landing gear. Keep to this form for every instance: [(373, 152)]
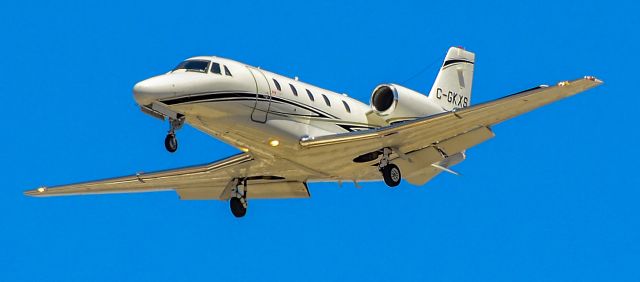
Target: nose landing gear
[(390, 172), (171, 141)]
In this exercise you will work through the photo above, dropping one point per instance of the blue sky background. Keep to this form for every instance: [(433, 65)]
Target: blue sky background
[(554, 197)]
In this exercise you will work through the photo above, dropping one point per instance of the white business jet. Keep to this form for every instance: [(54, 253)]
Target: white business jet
[(292, 133)]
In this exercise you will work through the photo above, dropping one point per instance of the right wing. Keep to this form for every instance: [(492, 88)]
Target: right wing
[(268, 179)]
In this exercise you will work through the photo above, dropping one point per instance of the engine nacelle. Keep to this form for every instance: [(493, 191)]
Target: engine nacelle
[(395, 103)]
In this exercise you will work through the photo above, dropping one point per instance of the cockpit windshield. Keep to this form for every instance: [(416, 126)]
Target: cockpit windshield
[(193, 65)]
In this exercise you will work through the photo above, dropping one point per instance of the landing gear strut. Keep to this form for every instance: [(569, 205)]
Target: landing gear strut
[(171, 142), (390, 172), (238, 201)]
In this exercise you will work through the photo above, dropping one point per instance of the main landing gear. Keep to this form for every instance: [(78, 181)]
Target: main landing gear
[(171, 142), (390, 172), (238, 201)]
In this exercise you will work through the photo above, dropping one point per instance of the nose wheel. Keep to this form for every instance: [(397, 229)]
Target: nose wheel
[(390, 172), (171, 141)]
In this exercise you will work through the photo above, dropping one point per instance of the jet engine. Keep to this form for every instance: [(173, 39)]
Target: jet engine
[(395, 103)]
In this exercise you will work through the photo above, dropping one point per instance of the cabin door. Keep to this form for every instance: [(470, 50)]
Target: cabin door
[(263, 96)]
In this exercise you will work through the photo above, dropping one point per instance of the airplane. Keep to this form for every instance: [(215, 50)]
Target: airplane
[(291, 133)]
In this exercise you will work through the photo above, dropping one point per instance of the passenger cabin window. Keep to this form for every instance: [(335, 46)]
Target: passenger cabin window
[(346, 106), (226, 71), (326, 100), (215, 68), (294, 90), (277, 84), (193, 65), (310, 95)]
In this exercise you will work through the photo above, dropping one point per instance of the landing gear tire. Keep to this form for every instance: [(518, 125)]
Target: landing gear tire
[(238, 201), (171, 142), (391, 175), (237, 207)]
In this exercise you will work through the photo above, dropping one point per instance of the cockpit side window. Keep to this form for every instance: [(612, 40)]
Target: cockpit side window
[(193, 65), (226, 71), (215, 68)]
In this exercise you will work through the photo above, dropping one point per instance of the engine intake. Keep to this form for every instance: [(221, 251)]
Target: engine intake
[(384, 97), (396, 103)]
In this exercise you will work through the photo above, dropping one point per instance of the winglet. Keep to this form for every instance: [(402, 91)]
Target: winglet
[(593, 78)]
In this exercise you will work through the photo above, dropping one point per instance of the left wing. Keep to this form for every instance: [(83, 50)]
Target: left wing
[(420, 143), (209, 181)]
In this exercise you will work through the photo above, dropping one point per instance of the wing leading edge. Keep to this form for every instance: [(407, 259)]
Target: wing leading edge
[(432, 129)]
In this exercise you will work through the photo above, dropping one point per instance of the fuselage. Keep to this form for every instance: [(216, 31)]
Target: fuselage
[(248, 107), (268, 114)]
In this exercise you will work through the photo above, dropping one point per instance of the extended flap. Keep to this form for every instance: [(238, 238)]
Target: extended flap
[(275, 190), (466, 140)]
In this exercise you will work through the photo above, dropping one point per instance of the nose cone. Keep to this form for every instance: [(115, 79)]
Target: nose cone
[(147, 91), (140, 94)]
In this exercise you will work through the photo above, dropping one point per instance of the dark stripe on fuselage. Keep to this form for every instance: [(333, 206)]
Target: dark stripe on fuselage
[(219, 97), (198, 98), (251, 97)]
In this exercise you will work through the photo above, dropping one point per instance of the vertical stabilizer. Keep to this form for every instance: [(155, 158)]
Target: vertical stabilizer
[(452, 88)]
